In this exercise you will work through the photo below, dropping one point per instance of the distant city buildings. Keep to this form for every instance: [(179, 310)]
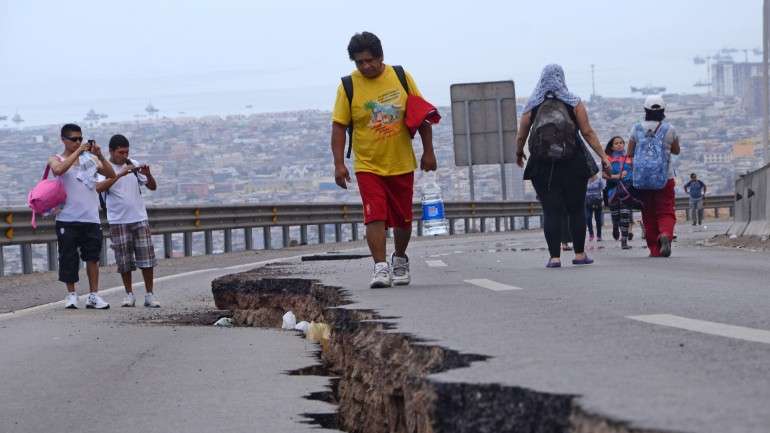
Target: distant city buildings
[(285, 157)]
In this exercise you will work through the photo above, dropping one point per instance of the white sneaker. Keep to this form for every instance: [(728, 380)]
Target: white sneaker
[(71, 301), (129, 300), (400, 266), (96, 301), (150, 301), (381, 277)]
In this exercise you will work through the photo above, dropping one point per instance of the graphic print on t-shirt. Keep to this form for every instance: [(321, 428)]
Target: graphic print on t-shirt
[(385, 117)]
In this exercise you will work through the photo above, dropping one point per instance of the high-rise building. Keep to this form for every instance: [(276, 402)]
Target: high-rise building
[(731, 79)]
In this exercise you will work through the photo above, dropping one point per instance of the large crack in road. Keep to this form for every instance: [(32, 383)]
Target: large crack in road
[(380, 378)]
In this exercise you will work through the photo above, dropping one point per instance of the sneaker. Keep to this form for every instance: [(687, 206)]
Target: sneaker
[(96, 301), (624, 244), (129, 301), (631, 235), (400, 266), (71, 301), (665, 246), (381, 277), (150, 301)]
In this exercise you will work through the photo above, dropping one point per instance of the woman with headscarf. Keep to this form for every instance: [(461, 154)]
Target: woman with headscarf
[(560, 181)]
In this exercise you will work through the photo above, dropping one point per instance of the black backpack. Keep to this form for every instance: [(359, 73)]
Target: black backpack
[(553, 135), (347, 84)]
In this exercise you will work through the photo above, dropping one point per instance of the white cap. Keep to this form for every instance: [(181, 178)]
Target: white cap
[(652, 100)]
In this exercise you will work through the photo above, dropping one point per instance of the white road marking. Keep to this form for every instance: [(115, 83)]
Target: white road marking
[(82, 298), (436, 263), (492, 285), (704, 327)]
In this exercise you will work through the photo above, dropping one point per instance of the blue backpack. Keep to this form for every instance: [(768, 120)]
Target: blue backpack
[(651, 157)]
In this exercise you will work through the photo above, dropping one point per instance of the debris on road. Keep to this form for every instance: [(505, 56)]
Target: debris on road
[(289, 321), (224, 322), (302, 326)]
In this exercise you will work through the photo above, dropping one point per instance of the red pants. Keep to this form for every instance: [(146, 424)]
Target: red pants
[(387, 198), (658, 215)]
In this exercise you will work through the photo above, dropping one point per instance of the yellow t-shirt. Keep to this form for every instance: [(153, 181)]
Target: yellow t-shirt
[(381, 140)]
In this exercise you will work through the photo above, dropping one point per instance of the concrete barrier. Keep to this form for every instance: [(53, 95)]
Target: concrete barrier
[(752, 204)]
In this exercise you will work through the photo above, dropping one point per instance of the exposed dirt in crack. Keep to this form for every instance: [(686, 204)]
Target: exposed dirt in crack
[(379, 378)]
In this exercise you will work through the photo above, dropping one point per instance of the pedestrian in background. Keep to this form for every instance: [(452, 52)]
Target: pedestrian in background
[(652, 142), (696, 189), (594, 207)]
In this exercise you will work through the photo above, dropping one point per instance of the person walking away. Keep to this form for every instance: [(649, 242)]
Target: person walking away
[(594, 207), (559, 165), (129, 225), (619, 182), (78, 227), (652, 143), (384, 159), (696, 189)]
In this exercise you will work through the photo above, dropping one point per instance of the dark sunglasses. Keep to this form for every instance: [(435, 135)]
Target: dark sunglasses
[(76, 139)]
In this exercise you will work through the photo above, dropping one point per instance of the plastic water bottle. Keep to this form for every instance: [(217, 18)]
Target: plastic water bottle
[(433, 220)]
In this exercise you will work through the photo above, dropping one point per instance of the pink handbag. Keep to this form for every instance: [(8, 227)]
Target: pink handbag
[(46, 195)]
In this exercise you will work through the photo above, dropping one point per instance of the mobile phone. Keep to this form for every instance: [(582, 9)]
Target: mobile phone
[(90, 144)]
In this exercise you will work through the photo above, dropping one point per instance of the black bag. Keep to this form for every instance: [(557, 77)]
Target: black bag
[(553, 135), (347, 84)]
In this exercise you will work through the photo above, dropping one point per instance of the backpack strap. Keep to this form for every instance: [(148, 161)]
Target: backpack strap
[(347, 85), (402, 77)]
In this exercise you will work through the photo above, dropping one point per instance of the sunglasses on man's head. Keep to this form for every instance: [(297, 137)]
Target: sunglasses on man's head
[(77, 139)]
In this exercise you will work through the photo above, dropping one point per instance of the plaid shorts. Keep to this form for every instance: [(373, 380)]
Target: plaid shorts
[(133, 246)]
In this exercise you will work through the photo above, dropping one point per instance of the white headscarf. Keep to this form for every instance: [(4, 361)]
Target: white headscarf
[(551, 80)]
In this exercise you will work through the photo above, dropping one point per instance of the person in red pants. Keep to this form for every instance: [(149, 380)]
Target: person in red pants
[(658, 206)]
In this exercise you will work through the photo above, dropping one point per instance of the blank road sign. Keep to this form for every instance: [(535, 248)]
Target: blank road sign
[(488, 112)]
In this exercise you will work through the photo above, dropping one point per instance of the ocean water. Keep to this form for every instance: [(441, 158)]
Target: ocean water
[(220, 103)]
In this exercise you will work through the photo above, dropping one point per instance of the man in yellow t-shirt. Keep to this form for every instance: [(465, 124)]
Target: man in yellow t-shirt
[(384, 159)]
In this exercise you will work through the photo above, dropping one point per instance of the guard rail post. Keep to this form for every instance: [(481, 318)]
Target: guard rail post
[(103, 253), (303, 234), (267, 238), (26, 258), (53, 256), (483, 227), (188, 243), (248, 238), (2, 262), (208, 242), (354, 231), (467, 225), (228, 240), (286, 236), (451, 226), (168, 246), (321, 233)]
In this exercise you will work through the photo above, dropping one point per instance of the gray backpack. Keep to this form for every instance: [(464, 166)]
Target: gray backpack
[(553, 136)]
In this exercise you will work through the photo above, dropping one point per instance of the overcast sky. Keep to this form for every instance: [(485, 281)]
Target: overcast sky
[(53, 52)]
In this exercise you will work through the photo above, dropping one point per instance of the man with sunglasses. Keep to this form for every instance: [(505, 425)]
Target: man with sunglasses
[(78, 227)]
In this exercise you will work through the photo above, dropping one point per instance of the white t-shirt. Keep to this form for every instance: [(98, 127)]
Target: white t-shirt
[(82, 204), (668, 140), (125, 204)]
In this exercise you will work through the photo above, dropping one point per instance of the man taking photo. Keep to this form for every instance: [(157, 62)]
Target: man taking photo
[(127, 215)]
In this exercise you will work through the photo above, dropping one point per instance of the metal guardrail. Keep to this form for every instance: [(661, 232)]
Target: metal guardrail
[(15, 228)]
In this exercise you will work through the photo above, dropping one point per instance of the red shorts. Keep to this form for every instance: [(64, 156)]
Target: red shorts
[(387, 198)]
